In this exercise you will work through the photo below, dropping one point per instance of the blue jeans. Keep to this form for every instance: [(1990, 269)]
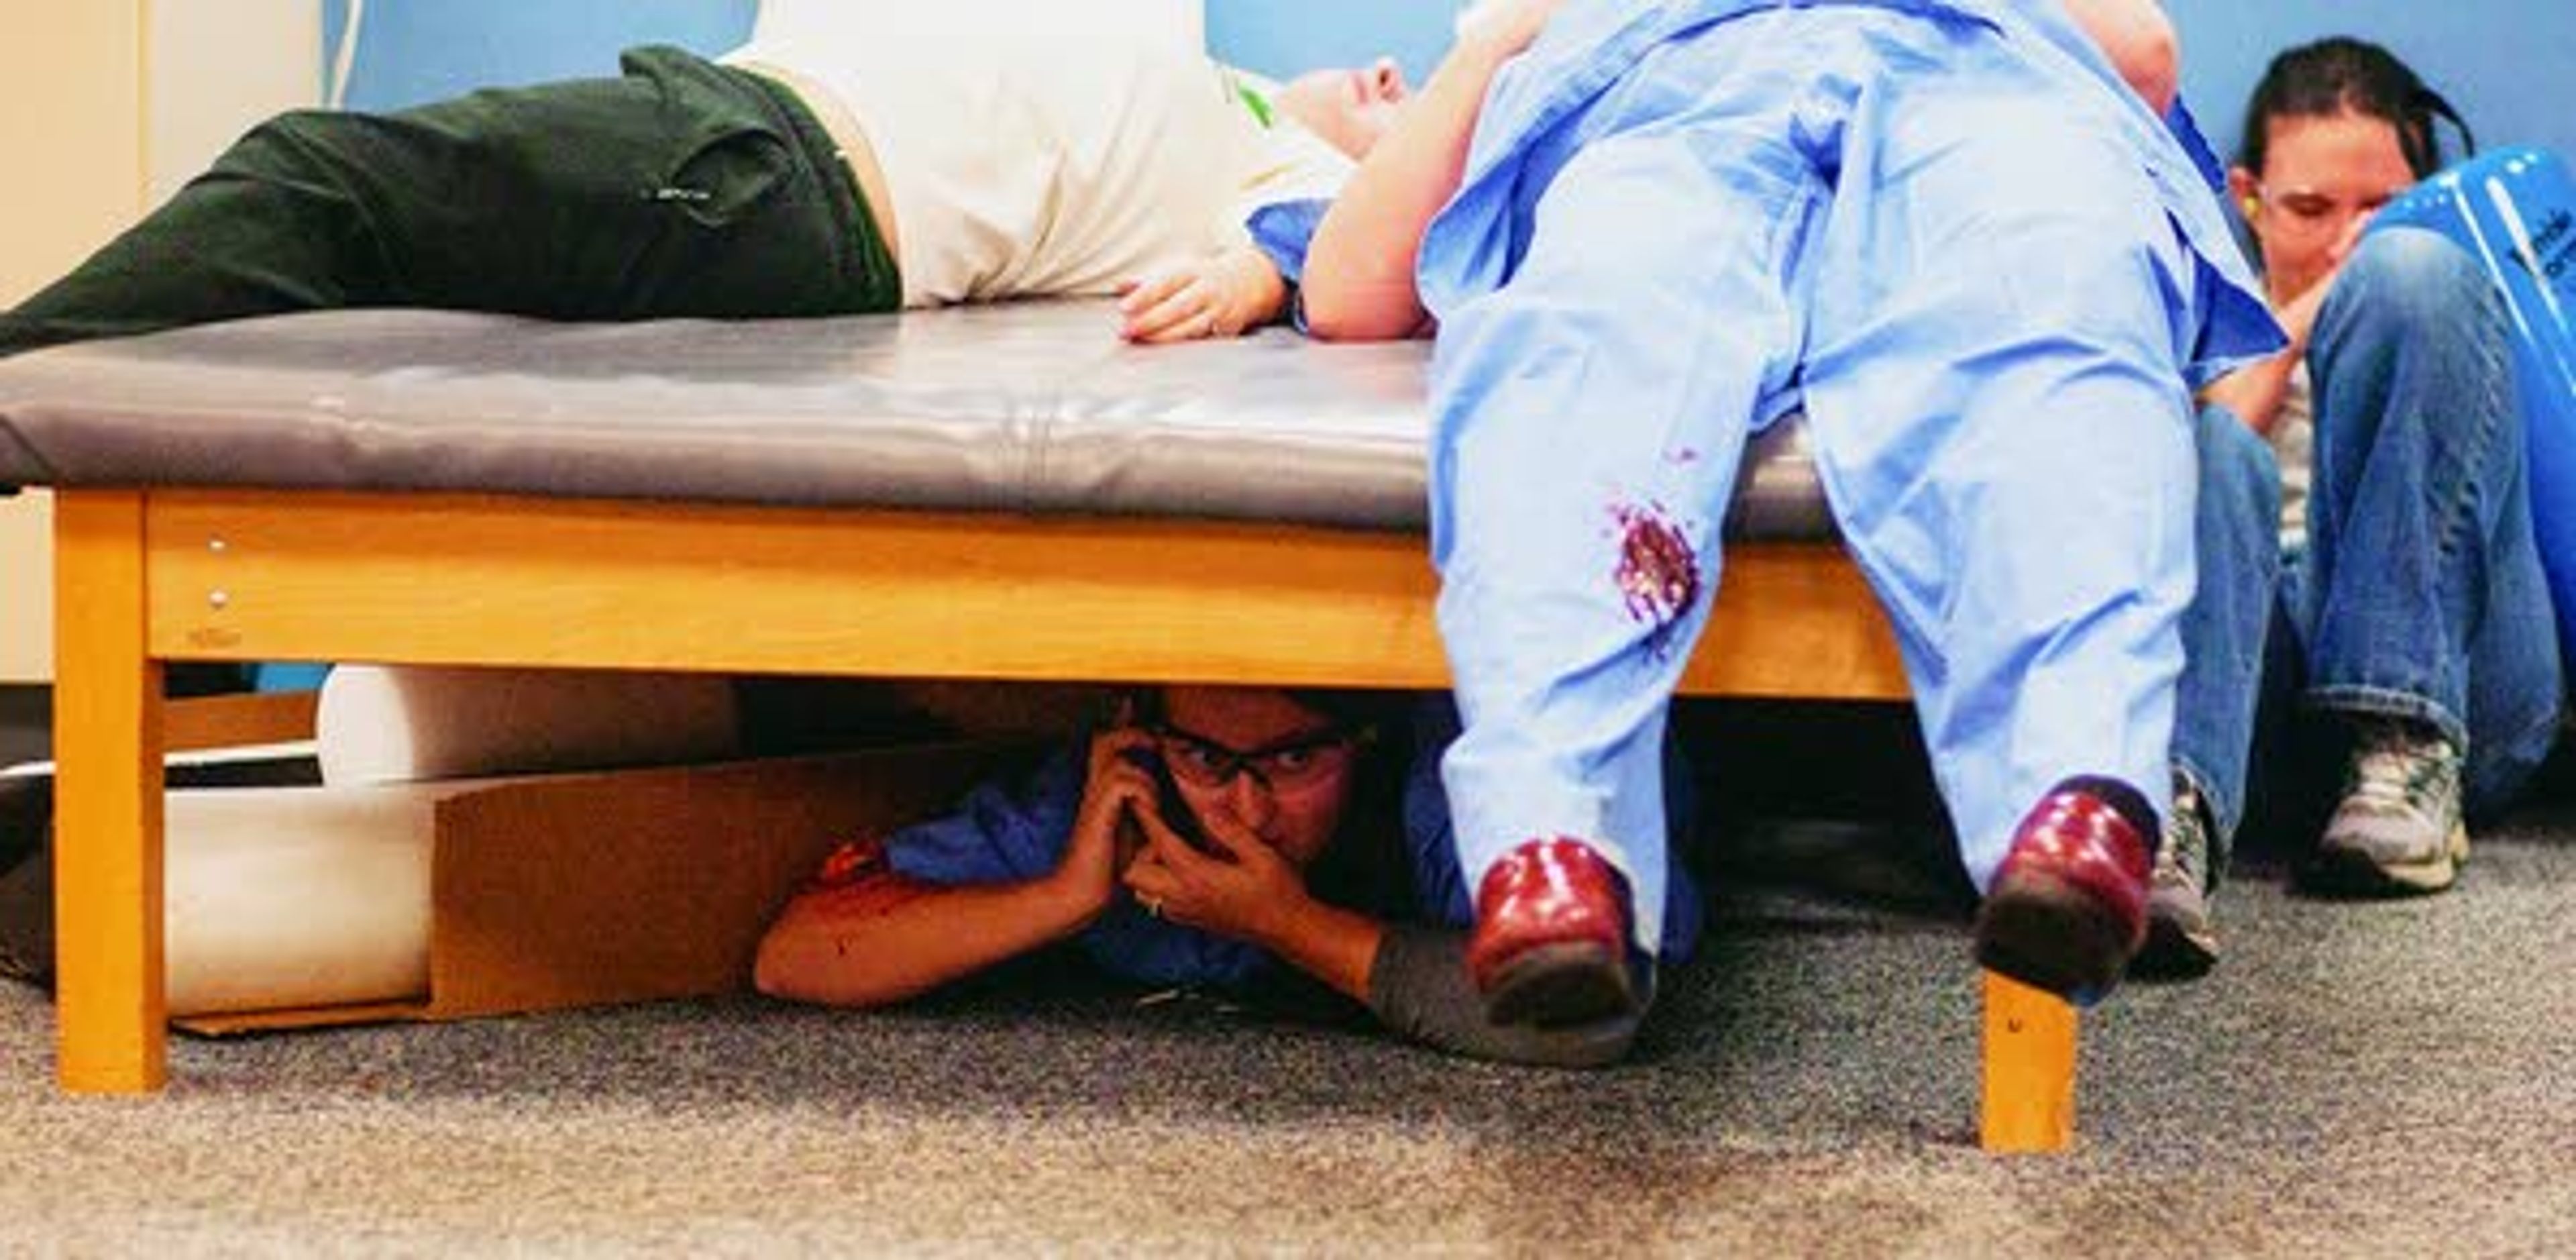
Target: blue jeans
[(2420, 595), (2233, 617)]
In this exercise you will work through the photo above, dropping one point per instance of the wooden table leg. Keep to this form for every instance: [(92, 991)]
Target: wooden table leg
[(2029, 1069), (107, 851)]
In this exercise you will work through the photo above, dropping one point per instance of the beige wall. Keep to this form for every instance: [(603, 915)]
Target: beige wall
[(26, 590), (116, 102), (71, 106), (200, 102)]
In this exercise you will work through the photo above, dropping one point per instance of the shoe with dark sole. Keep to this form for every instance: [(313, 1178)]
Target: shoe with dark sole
[(2362, 874), (1557, 985), (2052, 935), (2182, 939), (2173, 951), (2068, 907), (1551, 941), (2397, 832)]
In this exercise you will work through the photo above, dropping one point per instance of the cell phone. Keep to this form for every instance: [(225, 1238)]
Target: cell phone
[(1176, 811), (1169, 805)]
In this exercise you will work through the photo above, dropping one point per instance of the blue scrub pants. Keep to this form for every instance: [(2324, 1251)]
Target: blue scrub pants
[(1976, 293)]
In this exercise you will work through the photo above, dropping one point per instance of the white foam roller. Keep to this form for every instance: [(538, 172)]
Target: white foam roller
[(294, 897), (404, 724)]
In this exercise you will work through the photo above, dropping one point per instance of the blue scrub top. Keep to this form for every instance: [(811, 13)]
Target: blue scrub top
[(1591, 44)]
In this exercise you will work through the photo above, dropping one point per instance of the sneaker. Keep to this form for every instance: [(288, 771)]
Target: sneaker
[(2398, 831), (2182, 943)]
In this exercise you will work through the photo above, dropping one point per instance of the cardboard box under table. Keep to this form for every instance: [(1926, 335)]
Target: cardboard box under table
[(630, 885), (999, 492)]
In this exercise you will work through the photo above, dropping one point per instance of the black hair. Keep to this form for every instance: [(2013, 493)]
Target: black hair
[(2342, 74), (1349, 709)]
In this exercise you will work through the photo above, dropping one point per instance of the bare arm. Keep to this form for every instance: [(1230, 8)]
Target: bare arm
[(1336, 946), (864, 935), (2258, 392), (1359, 278), (884, 942), (2139, 39)]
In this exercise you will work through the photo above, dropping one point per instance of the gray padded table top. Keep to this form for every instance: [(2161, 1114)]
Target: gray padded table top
[(1023, 407)]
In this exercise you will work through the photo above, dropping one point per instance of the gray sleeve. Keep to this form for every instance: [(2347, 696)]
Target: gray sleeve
[(1419, 988)]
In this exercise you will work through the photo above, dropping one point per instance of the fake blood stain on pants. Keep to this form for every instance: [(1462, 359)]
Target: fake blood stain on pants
[(1658, 572)]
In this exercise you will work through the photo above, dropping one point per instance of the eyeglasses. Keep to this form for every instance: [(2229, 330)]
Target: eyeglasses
[(2309, 212), (1299, 762)]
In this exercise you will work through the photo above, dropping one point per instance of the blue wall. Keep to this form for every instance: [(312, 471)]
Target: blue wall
[(1281, 37), (411, 51), (2503, 63), (2503, 69)]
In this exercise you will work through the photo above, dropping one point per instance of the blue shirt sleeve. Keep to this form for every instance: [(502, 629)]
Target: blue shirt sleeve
[(1283, 231), (1001, 833), (2186, 132)]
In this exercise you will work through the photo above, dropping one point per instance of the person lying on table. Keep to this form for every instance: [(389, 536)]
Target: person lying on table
[(851, 158), (1977, 245)]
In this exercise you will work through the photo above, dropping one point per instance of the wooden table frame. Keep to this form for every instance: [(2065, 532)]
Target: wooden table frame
[(150, 576)]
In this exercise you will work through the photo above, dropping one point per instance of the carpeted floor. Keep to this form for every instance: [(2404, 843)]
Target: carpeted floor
[(2385, 1079), (2355, 1080)]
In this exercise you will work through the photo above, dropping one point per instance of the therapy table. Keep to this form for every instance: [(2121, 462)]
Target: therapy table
[(999, 492)]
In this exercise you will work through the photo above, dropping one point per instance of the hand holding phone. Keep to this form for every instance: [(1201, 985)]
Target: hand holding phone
[(1236, 887), (1106, 837), (1175, 810)]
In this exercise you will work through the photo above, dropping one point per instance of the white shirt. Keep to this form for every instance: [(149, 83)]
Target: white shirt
[(2294, 446), (1042, 148)]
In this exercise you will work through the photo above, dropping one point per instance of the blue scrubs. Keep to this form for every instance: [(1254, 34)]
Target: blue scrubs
[(1985, 269), (1011, 832)]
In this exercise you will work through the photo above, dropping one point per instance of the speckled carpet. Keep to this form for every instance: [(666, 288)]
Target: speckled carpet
[(2355, 1080)]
